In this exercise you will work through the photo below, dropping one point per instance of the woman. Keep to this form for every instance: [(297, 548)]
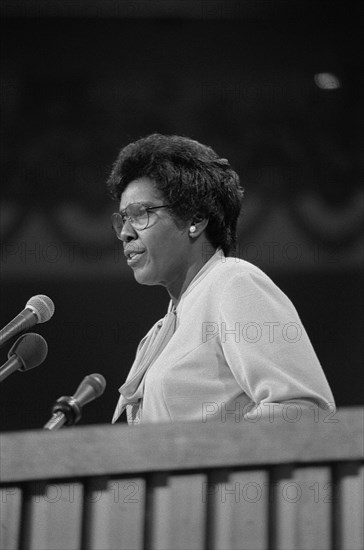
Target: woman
[(231, 346)]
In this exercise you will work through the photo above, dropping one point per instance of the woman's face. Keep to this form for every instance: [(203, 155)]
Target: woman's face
[(162, 250)]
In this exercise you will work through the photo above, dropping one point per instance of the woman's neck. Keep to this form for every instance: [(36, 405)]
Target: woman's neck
[(201, 255)]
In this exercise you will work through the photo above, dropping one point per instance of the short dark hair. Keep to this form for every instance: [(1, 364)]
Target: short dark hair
[(193, 179)]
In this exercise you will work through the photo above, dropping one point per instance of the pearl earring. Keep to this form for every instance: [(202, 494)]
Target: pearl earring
[(192, 228)]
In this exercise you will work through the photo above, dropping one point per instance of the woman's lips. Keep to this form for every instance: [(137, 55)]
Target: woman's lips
[(133, 257)]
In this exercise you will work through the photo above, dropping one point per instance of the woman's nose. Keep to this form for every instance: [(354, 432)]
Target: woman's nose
[(128, 232)]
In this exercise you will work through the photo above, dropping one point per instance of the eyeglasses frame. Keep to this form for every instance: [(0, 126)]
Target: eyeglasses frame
[(123, 212)]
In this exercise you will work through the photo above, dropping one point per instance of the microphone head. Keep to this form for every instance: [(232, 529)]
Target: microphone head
[(91, 387), (42, 306), (31, 349), (98, 382)]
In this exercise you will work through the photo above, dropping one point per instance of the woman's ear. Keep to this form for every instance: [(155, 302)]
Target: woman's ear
[(197, 227)]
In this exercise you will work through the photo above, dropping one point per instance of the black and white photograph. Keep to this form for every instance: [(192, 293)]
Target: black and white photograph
[(181, 275)]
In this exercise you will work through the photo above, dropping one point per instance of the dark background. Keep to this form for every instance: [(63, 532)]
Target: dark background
[(82, 79)]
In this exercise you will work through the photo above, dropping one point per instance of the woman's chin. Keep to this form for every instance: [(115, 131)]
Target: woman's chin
[(143, 277)]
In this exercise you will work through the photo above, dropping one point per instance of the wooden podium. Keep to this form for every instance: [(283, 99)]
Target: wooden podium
[(283, 483)]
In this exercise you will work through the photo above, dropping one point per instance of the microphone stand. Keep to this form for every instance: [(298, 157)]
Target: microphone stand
[(66, 410)]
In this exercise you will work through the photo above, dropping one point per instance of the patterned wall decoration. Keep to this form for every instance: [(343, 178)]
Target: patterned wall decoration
[(74, 91)]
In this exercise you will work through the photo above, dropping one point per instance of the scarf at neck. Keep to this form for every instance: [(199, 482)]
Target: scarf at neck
[(149, 349)]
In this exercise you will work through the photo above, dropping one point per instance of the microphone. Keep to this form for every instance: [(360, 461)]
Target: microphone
[(38, 309), (28, 352), (67, 410)]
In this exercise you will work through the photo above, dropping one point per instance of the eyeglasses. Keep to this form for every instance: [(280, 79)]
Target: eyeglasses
[(137, 214)]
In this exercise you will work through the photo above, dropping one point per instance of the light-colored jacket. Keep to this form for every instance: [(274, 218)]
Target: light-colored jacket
[(233, 349)]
